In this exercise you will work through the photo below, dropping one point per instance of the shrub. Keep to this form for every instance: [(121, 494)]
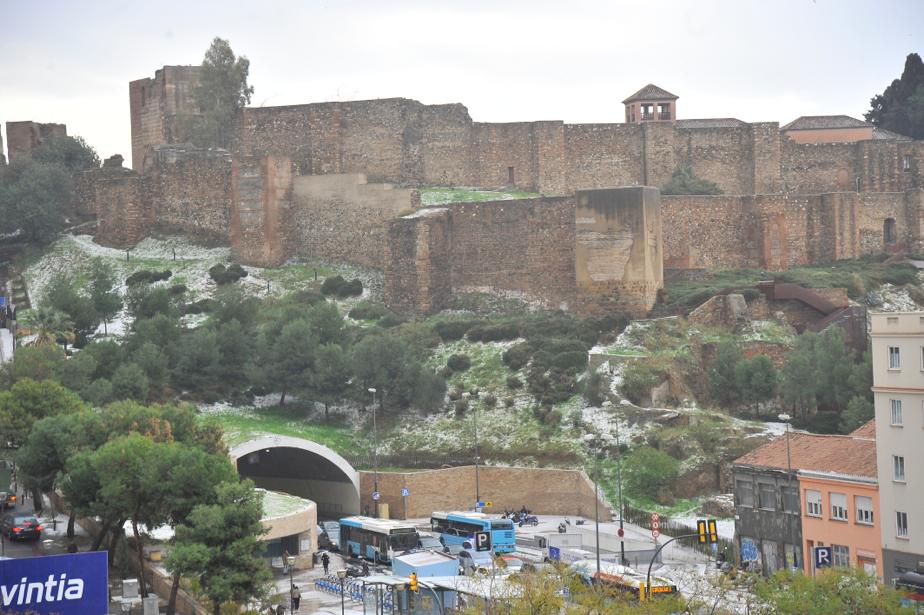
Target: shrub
[(353, 288), (570, 360), (366, 310), (494, 333), (638, 380), (444, 372), (454, 394), (390, 320), (177, 289), (331, 285), (490, 400), (200, 307), (514, 383), (517, 356), (684, 181), (452, 330), (647, 470), (308, 297), (143, 276), (460, 405), (508, 402), (226, 275), (458, 362)]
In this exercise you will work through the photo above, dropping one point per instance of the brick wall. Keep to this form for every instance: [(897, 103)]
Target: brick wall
[(711, 232), (544, 491), (260, 197), (604, 155), (154, 105), (417, 262), (122, 218)]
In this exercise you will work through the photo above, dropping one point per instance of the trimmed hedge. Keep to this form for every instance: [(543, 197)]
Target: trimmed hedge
[(226, 275), (452, 330), (459, 362)]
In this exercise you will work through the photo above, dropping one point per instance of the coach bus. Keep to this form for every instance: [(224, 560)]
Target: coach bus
[(623, 579), (376, 539), (455, 528)]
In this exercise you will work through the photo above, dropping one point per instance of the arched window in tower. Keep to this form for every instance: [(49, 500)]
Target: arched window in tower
[(889, 234)]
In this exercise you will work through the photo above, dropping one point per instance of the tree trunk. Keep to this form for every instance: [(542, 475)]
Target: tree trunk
[(70, 524), (282, 398), (326, 408), (37, 503), (171, 604), (216, 608), (98, 542), (116, 536), (140, 549), (105, 331)]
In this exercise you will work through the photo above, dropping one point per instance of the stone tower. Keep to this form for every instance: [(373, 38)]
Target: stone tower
[(156, 108), (651, 104)]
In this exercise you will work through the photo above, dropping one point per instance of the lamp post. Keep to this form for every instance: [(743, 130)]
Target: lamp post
[(341, 574), (477, 462), (375, 455), (622, 508), (792, 534), (592, 440)]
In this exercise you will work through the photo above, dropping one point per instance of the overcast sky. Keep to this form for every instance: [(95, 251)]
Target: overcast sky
[(71, 61)]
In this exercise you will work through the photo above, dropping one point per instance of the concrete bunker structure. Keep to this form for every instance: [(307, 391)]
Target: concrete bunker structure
[(301, 468)]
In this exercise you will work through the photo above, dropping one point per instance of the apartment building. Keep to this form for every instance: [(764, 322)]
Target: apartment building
[(809, 490), (898, 387)]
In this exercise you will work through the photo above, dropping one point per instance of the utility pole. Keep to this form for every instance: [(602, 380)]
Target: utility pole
[(592, 440), (477, 461), (792, 534), (375, 456), (622, 508)]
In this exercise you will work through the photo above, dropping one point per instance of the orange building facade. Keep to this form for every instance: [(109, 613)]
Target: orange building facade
[(841, 512)]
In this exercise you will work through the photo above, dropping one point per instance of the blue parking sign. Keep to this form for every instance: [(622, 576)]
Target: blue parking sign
[(823, 558), (405, 492)]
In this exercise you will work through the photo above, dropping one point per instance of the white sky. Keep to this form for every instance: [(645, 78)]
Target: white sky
[(70, 61)]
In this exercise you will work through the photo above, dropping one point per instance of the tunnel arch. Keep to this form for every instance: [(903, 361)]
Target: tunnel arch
[(303, 468)]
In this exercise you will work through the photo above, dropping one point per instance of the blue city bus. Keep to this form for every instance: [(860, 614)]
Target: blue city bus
[(455, 528), (376, 539)]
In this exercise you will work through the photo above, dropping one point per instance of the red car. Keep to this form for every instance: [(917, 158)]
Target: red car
[(21, 527)]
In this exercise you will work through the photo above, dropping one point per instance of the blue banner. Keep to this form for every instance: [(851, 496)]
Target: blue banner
[(73, 584)]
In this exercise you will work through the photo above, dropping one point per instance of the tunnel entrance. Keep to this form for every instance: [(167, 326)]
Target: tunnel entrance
[(302, 468)]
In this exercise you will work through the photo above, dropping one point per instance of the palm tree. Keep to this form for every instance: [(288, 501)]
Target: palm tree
[(50, 326)]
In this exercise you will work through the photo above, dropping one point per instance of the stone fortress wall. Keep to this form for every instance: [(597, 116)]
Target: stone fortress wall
[(336, 180)]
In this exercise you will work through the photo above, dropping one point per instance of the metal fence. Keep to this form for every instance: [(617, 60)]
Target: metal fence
[(408, 461), (642, 518)]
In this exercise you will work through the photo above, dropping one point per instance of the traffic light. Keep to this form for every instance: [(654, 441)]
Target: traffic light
[(708, 534), (413, 584)]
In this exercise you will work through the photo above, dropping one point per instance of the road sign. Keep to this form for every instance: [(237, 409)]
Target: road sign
[(555, 554), (655, 533), (482, 541), (620, 532), (405, 492), (479, 504), (706, 528), (656, 525), (822, 557), (77, 584), (2, 301), (489, 504), (655, 518), (376, 495)]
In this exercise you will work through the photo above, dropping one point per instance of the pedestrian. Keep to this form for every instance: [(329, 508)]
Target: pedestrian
[(296, 598), (325, 561), (365, 569)]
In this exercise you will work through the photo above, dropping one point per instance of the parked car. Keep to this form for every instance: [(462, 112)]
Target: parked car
[(428, 541), (332, 530), (21, 527), (472, 561), (7, 500)]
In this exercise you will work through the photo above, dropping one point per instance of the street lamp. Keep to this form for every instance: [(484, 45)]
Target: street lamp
[(477, 454), (792, 535), (375, 455), (341, 574), (592, 440), (622, 508)]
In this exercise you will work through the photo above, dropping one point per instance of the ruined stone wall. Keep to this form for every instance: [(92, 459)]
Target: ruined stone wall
[(344, 218), (444, 138), (261, 191), (189, 190), (417, 262), (604, 155), (813, 168), (721, 155), (710, 232), (524, 246), (154, 105), (122, 215), (545, 491), (874, 209), (23, 137), (882, 169)]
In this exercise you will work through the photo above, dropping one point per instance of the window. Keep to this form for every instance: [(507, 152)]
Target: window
[(896, 405), (767, 495), (889, 234), (745, 491), (898, 468), (864, 506), (839, 506), (841, 555), (790, 499), (901, 524), (664, 111), (647, 111), (812, 503), (895, 360), (906, 162)]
